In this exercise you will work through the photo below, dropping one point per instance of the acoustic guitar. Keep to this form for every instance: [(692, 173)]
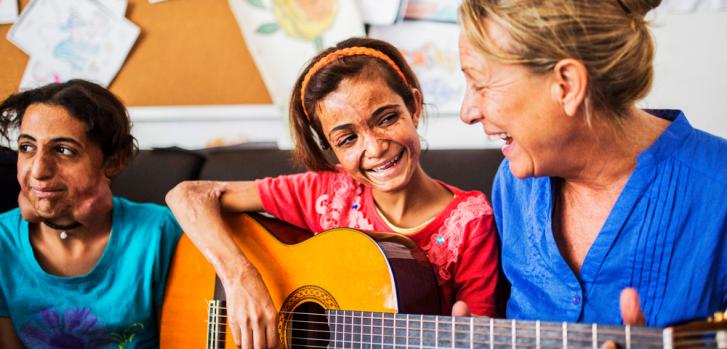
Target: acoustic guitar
[(348, 289)]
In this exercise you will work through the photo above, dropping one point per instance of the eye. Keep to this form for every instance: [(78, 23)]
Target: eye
[(25, 147), (63, 150), (389, 119), (345, 140)]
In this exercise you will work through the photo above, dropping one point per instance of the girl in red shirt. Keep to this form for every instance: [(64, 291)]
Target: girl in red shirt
[(361, 101)]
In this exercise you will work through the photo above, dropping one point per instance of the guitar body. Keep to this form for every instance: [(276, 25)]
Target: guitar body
[(341, 269)]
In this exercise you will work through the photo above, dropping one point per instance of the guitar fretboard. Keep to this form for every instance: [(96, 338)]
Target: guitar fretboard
[(352, 329)]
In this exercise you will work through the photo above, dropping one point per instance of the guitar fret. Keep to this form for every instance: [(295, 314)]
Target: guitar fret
[(514, 327), (421, 331), (627, 334), (454, 340), (594, 335), (436, 331), (393, 341), (407, 330), (362, 330), (565, 335), (537, 334), (472, 333), (383, 331), (492, 333), (371, 330)]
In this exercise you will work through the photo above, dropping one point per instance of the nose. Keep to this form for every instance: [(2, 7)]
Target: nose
[(42, 166), (470, 112), (375, 145)]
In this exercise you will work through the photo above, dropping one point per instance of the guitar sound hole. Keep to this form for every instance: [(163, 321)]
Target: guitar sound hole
[(309, 327)]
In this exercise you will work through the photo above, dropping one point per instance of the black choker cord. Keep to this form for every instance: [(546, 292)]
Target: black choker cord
[(67, 227)]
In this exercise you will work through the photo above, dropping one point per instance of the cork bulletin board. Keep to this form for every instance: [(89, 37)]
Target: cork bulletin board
[(190, 52)]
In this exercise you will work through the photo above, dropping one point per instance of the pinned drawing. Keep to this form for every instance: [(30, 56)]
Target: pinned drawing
[(8, 11), (305, 20), (433, 10), (434, 58), (72, 39), (282, 35)]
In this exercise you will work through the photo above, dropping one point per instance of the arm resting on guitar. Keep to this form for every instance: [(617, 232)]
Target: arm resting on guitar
[(198, 207), (8, 338)]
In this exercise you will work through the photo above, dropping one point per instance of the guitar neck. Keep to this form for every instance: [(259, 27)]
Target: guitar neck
[(353, 329)]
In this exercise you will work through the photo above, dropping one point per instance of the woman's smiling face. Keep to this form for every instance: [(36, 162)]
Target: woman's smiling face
[(372, 132), (516, 105)]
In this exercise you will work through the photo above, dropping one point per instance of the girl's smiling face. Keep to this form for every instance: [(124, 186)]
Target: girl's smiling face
[(372, 132)]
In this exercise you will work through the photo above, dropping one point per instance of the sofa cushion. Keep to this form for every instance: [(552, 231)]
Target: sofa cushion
[(154, 172), (9, 187), (468, 169), (244, 164)]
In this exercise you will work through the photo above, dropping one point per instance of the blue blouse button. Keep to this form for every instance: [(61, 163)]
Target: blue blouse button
[(576, 299)]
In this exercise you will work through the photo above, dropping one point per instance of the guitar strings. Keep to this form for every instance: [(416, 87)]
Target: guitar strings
[(498, 338), (502, 324), (350, 343), (544, 337), (636, 337)]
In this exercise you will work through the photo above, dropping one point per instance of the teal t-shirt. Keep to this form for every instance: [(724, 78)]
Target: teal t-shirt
[(113, 306)]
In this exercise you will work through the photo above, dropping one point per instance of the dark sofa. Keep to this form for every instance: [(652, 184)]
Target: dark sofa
[(153, 172)]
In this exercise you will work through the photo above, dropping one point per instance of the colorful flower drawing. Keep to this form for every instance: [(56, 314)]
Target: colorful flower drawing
[(76, 328), (300, 19)]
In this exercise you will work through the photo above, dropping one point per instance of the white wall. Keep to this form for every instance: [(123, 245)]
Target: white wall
[(690, 69)]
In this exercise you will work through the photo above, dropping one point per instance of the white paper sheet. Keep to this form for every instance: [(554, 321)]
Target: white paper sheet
[(381, 12), (718, 5), (72, 39), (8, 11), (434, 57), (117, 7), (433, 10), (281, 45)]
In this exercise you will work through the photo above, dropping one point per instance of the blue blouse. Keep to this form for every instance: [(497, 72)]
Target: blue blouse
[(665, 236)]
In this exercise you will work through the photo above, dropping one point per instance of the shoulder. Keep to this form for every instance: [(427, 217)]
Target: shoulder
[(469, 208), (308, 178), (9, 225), (10, 218), (704, 153), (144, 214)]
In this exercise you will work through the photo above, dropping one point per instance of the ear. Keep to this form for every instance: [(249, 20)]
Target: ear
[(570, 85), (417, 113), (113, 165)]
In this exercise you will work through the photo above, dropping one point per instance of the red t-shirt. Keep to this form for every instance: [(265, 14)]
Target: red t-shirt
[(460, 242)]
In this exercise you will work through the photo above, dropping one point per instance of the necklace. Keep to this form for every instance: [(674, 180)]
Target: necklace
[(64, 229)]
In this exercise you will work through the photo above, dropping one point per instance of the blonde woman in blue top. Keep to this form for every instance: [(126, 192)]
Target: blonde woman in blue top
[(606, 212), (79, 268)]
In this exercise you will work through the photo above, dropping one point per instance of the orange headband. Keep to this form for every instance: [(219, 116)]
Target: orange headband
[(345, 52)]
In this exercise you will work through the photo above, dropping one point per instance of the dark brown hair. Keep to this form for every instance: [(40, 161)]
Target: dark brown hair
[(107, 122), (308, 136)]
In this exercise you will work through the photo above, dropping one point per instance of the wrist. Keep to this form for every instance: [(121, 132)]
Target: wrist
[(232, 270)]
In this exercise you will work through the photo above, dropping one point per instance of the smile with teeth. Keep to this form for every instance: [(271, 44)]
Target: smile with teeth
[(505, 137), (388, 164)]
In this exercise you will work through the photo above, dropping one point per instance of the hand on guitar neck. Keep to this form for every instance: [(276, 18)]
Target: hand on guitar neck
[(630, 312)]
